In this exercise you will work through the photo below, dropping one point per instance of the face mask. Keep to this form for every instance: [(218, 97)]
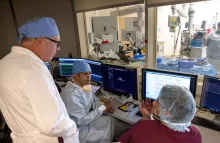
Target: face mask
[(87, 88)]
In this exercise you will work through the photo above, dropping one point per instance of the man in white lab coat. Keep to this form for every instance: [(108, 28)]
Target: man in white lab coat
[(29, 99)]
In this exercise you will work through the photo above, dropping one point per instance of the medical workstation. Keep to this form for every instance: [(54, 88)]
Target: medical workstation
[(122, 85)]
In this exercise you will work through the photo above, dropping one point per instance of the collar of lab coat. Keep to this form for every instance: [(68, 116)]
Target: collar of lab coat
[(70, 85), (18, 49)]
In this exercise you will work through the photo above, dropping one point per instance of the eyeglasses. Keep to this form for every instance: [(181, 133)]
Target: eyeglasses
[(57, 42)]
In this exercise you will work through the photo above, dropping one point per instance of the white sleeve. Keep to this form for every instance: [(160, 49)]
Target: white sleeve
[(50, 119), (102, 108)]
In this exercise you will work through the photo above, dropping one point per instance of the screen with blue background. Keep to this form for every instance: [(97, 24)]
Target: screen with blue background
[(66, 65), (210, 97), (154, 80), (66, 68), (120, 80), (96, 70)]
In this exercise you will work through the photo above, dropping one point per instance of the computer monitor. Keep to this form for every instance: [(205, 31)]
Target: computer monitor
[(96, 70), (47, 64), (154, 80), (65, 65), (120, 80), (210, 96)]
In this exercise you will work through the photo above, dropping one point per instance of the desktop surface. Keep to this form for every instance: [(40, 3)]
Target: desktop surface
[(206, 123)]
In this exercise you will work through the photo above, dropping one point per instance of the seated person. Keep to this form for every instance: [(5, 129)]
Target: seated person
[(173, 111), (85, 108)]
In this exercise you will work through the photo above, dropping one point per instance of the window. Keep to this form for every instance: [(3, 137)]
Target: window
[(189, 42)]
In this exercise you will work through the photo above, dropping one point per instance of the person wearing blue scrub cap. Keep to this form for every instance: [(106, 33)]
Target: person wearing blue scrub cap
[(30, 101), (41, 36), (84, 107)]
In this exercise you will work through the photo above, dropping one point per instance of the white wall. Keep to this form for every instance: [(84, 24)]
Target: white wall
[(206, 11), (61, 11), (163, 33), (82, 35)]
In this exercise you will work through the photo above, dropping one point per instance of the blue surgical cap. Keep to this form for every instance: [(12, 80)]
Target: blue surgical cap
[(40, 27), (80, 66)]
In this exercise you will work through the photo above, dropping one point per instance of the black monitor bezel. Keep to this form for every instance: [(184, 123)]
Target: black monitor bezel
[(168, 72), (118, 92), (210, 109)]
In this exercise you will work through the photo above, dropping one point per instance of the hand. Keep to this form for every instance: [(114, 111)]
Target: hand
[(145, 109), (108, 104), (109, 110)]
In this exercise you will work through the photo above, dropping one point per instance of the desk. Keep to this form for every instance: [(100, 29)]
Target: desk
[(130, 118), (208, 135)]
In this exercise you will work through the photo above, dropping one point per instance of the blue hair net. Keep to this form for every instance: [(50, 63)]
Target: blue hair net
[(40, 27), (80, 66), (180, 104)]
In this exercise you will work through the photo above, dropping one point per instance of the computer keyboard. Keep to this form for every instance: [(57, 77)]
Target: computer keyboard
[(206, 123)]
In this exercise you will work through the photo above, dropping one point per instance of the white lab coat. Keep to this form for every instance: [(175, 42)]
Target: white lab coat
[(85, 109), (30, 101)]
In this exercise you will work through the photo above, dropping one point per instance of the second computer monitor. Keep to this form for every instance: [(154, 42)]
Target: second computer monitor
[(120, 80), (66, 66), (210, 97), (96, 70), (154, 80)]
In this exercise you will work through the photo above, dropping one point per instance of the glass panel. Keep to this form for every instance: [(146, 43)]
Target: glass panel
[(188, 39)]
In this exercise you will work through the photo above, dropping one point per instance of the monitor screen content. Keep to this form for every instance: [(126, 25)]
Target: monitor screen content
[(120, 80), (210, 97), (154, 80), (96, 70), (66, 66)]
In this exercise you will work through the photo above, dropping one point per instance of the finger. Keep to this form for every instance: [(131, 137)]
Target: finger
[(142, 103), (148, 101), (139, 107)]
